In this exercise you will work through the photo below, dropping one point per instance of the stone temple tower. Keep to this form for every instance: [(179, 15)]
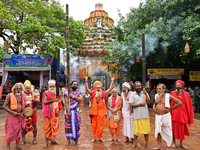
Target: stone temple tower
[(98, 37)]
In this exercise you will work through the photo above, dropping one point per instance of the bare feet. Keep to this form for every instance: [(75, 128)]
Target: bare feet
[(118, 140), (111, 140), (68, 142), (34, 141), (126, 140), (134, 145), (46, 145), (54, 142), (23, 143), (173, 145), (157, 148), (101, 140), (76, 142), (183, 146), (93, 140), (19, 147)]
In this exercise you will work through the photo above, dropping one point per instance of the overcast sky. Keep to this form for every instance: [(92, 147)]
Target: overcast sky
[(80, 9)]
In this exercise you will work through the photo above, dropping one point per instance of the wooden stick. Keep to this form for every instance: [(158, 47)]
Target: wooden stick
[(143, 96)]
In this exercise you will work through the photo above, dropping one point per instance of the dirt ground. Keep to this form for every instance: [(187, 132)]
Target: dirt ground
[(192, 142)]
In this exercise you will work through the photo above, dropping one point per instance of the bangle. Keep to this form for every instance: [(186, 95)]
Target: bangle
[(140, 104), (85, 80), (73, 96)]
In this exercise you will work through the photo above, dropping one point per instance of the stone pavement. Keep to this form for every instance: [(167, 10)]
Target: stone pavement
[(192, 142)]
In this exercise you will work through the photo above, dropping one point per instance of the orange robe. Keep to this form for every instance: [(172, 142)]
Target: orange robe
[(51, 126), (114, 126), (98, 114)]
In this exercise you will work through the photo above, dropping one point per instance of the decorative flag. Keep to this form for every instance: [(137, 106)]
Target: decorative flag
[(187, 48)]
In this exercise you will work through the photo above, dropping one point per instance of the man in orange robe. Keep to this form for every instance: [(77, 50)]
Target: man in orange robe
[(114, 114), (98, 109), (51, 109)]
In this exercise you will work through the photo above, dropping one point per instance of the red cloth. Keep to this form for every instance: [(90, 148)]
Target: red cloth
[(185, 112), (103, 95), (113, 102), (34, 119), (13, 127), (179, 130), (181, 82)]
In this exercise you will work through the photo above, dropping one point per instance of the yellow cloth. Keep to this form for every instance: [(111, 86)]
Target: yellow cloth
[(142, 126)]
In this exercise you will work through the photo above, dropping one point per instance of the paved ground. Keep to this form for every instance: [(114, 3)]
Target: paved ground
[(192, 142)]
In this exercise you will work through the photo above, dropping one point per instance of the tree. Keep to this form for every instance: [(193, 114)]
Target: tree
[(166, 24), (38, 24)]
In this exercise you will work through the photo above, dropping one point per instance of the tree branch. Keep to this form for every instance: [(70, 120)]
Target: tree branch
[(1, 35)]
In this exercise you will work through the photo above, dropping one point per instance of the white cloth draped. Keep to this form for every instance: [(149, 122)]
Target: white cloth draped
[(127, 119), (163, 123)]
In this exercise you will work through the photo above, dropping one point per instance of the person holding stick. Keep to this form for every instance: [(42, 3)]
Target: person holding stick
[(138, 101), (51, 110), (72, 115), (98, 109)]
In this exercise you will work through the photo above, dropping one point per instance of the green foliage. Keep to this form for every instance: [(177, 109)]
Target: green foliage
[(166, 24), (2, 52), (38, 24)]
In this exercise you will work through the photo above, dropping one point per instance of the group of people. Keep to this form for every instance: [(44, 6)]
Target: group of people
[(173, 111)]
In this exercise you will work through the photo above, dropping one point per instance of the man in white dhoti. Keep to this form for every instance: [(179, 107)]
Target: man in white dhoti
[(127, 113), (163, 122)]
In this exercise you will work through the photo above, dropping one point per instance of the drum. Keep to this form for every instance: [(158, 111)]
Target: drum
[(28, 112)]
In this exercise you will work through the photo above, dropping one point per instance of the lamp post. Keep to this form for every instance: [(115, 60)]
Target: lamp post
[(143, 60), (58, 74), (67, 43)]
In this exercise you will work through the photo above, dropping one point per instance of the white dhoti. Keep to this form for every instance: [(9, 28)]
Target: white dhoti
[(128, 127), (163, 125)]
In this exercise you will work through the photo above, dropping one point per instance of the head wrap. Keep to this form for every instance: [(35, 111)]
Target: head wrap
[(97, 83), (52, 82), (27, 83), (181, 82), (126, 85)]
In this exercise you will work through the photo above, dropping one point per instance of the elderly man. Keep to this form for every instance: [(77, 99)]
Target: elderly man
[(114, 106), (51, 109), (31, 101), (163, 123), (98, 109), (127, 113), (181, 116), (15, 121), (72, 116), (138, 101)]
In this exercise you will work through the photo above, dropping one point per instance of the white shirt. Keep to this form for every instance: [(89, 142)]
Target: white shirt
[(126, 108)]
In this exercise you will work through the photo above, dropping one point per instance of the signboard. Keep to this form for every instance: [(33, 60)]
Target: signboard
[(194, 75), (166, 71), (1, 69), (27, 60)]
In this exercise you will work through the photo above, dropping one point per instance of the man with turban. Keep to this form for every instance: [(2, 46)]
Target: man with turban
[(72, 116), (182, 115), (51, 110), (114, 114), (15, 122), (127, 112), (98, 109), (31, 101), (139, 101)]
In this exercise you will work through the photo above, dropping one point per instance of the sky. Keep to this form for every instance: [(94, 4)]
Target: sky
[(81, 9)]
